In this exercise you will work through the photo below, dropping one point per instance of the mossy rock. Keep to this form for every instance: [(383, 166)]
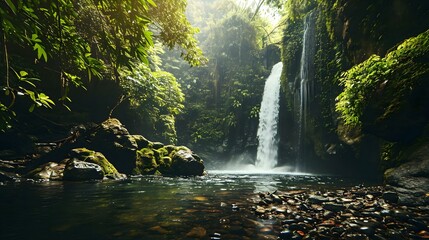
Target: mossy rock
[(165, 164), (157, 145), (146, 161), (141, 141), (86, 155), (77, 170)]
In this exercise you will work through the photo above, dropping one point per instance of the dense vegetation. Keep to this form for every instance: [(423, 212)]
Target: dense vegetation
[(51, 48), (402, 67)]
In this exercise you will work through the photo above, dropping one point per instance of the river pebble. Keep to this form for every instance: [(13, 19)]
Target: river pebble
[(356, 213)]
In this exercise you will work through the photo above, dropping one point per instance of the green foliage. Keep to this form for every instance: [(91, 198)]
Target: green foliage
[(71, 43), (155, 96), (5, 118), (174, 29), (297, 8), (401, 68)]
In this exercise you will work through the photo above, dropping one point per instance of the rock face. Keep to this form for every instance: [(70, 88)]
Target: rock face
[(111, 148), (411, 179), (76, 170)]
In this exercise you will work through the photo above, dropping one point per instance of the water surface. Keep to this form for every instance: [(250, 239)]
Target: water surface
[(147, 207)]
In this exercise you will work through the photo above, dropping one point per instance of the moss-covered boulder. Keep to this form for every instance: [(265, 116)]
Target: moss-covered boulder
[(145, 161), (76, 170), (168, 160), (86, 155), (114, 141)]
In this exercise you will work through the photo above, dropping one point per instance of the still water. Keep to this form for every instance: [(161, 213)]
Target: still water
[(217, 205)]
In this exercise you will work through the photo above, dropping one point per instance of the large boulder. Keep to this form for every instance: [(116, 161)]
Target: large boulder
[(76, 170), (114, 141), (411, 179), (168, 160), (86, 155), (185, 162)]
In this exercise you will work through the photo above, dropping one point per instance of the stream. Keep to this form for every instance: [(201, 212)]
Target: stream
[(216, 206)]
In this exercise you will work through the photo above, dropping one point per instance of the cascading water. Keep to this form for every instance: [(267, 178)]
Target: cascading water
[(266, 157), (306, 85)]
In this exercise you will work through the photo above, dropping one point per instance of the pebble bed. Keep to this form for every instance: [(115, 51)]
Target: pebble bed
[(355, 213)]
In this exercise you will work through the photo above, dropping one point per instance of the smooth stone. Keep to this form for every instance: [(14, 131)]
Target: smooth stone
[(285, 234), (315, 199), (333, 207), (390, 197), (367, 230), (197, 232)]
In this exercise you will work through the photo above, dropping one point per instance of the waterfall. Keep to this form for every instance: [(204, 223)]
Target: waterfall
[(306, 85), (266, 157)]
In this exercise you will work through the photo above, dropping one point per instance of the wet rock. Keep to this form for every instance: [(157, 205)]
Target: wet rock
[(367, 230), (48, 171), (86, 155), (411, 179), (186, 163), (390, 197), (235, 207), (333, 207), (159, 230), (285, 234), (76, 170), (6, 176), (197, 232), (315, 199)]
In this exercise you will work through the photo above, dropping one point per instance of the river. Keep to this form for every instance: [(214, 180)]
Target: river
[(216, 206)]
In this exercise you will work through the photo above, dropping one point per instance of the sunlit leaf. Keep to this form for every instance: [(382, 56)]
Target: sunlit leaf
[(12, 6), (23, 73)]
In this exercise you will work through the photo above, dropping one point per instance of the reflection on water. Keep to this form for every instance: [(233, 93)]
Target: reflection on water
[(146, 207)]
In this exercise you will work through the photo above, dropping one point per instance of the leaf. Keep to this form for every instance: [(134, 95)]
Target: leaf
[(11, 6), (31, 109), (31, 94), (23, 73), (40, 51), (151, 3), (67, 107)]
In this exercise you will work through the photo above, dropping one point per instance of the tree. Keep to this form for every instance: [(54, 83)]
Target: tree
[(72, 41)]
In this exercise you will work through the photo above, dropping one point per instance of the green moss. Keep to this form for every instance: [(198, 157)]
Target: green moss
[(165, 164), (139, 140), (86, 155), (145, 161), (397, 73)]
